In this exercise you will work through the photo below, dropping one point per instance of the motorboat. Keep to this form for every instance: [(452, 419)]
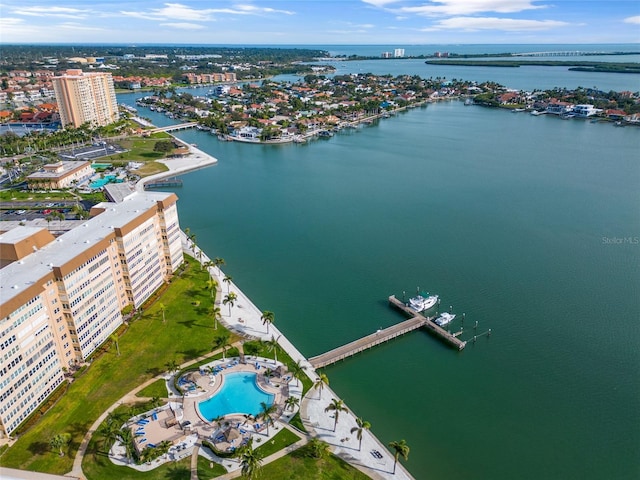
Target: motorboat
[(423, 302), (444, 319)]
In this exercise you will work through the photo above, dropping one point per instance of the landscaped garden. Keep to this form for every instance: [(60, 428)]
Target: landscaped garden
[(175, 326)]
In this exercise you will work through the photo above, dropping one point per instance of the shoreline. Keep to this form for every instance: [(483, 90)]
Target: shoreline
[(245, 319)]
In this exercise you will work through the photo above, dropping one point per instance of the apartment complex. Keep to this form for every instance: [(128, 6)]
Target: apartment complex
[(86, 98), (62, 297)]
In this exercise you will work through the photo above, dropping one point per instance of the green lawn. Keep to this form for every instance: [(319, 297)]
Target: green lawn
[(21, 195), (208, 469), (301, 465), (156, 389), (281, 440), (145, 349)]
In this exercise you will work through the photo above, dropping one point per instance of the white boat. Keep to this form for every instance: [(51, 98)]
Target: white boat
[(444, 319), (420, 303)]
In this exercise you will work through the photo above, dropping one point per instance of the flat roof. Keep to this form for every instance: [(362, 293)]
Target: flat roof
[(18, 276), (68, 166)]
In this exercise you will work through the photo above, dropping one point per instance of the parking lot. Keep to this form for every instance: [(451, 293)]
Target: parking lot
[(30, 210), (91, 152)]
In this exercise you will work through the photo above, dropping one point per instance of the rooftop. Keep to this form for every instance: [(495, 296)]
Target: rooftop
[(20, 275)]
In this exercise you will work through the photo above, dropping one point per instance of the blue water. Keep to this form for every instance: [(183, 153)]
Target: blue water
[(239, 394), (530, 225)]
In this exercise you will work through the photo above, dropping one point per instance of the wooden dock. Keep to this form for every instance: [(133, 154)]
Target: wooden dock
[(364, 343), (451, 338), (163, 183), (416, 321)]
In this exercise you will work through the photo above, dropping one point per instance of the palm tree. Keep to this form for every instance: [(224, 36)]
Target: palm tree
[(297, 370), (227, 279), (230, 299), (109, 431), (250, 461), (267, 319), (222, 341), (218, 262), (212, 284), (172, 366), (291, 403), (58, 442), (273, 345), (114, 339), (320, 383), (318, 448), (126, 439), (399, 448), (208, 264), (336, 406), (362, 425), (265, 414), (162, 309), (215, 312)]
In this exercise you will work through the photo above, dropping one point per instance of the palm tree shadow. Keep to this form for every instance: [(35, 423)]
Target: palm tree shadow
[(38, 448), (178, 472), (188, 323)]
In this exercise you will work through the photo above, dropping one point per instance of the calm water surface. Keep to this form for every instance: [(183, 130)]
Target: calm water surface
[(529, 225)]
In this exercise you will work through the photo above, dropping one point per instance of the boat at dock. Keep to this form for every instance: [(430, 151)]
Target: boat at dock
[(445, 319), (422, 302)]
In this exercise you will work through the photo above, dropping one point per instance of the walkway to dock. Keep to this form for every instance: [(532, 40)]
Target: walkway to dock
[(367, 342)]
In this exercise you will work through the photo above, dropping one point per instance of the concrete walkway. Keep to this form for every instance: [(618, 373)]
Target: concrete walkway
[(374, 459), (245, 318), (126, 399)]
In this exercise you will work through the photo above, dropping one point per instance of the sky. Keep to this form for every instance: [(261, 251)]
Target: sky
[(320, 22)]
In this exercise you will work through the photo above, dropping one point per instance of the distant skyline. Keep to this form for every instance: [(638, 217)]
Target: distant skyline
[(320, 22)]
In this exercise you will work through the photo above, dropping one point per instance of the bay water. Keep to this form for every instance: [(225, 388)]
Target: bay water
[(529, 225)]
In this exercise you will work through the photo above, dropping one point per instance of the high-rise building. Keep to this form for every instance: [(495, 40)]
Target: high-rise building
[(86, 98), (62, 297), (398, 53)]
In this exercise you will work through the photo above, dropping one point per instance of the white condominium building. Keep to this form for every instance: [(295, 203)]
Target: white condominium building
[(63, 297), (86, 98)]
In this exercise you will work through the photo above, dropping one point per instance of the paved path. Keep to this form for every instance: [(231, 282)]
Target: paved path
[(128, 398), (246, 320)]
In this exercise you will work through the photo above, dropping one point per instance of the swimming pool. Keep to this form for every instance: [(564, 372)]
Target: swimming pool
[(101, 182), (239, 394)]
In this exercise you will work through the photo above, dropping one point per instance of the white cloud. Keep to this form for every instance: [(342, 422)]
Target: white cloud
[(7, 22), (493, 23), (178, 11), (635, 20), (456, 7), (77, 27), (183, 26), (60, 12)]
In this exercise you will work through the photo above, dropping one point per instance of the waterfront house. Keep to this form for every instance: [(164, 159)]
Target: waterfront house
[(556, 107), (585, 110)]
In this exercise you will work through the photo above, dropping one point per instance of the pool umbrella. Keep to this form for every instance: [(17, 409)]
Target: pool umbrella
[(231, 433)]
